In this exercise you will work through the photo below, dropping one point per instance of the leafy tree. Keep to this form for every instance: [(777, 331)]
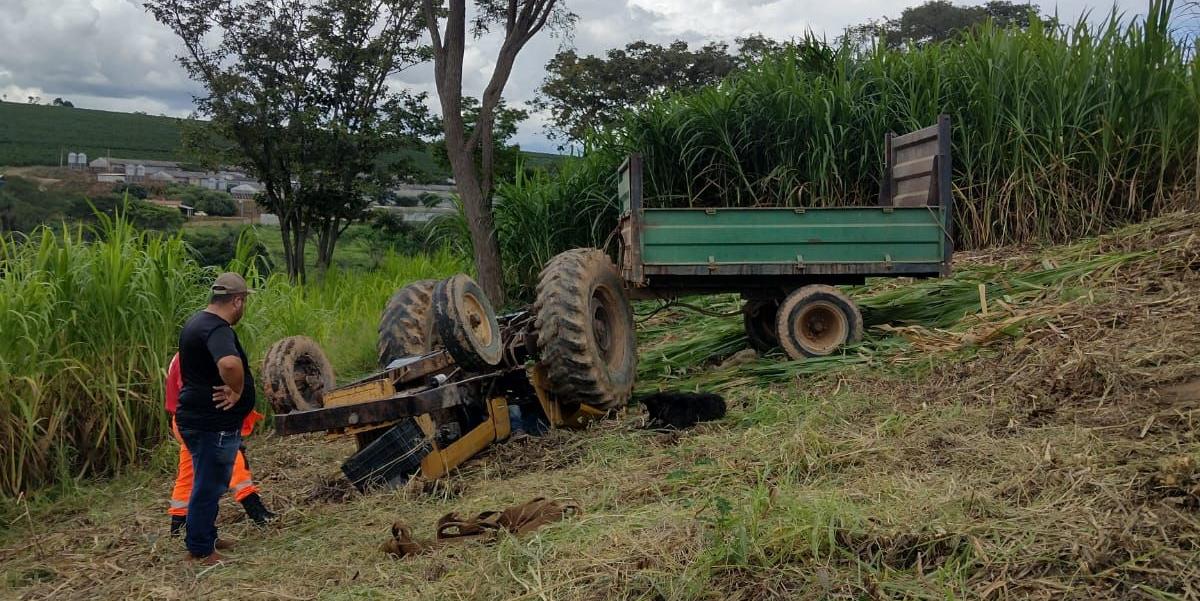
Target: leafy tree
[(506, 157), (135, 190), (939, 20), (215, 202), (584, 93), (446, 23), (63, 103), (300, 88)]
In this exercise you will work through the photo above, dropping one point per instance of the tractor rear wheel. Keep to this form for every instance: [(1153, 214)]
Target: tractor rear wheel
[(758, 317), (584, 326), (817, 320), (296, 375), (406, 326), (466, 323)]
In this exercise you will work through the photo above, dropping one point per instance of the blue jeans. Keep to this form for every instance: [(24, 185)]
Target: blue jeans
[(213, 454)]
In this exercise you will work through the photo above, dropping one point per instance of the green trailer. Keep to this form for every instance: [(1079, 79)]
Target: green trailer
[(785, 261)]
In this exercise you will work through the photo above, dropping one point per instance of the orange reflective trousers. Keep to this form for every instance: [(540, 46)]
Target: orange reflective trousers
[(241, 484)]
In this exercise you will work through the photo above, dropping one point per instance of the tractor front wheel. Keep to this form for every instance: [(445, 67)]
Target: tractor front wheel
[(466, 323), (406, 326), (296, 375), (585, 331)]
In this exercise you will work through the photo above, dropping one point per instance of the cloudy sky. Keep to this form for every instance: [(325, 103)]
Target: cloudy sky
[(109, 54)]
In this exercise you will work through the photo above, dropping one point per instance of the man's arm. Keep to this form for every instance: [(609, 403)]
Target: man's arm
[(223, 349)]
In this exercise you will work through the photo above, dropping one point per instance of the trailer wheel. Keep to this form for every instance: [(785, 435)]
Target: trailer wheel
[(406, 326), (817, 320), (758, 317), (466, 323), (296, 375), (584, 327)]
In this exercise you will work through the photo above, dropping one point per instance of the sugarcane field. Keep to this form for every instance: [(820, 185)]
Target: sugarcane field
[(579, 300)]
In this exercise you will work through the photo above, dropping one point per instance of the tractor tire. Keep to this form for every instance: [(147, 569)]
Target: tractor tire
[(817, 320), (585, 331), (466, 323), (296, 375), (758, 317), (406, 326)]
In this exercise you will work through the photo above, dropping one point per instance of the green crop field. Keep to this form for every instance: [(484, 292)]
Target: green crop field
[(34, 134), (39, 135)]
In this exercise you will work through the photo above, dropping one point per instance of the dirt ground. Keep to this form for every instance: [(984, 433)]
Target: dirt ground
[(1057, 462)]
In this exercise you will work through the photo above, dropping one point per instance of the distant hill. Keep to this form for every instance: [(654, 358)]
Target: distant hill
[(33, 134)]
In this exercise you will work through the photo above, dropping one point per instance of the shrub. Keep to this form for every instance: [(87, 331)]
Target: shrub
[(134, 190), (217, 246)]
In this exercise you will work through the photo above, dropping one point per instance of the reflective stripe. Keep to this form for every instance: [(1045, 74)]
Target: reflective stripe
[(178, 504), (242, 486)]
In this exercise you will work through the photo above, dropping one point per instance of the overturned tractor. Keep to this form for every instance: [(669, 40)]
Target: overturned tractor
[(456, 377), (454, 371)]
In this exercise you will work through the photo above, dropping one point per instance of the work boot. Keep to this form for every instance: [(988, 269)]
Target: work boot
[(223, 544), (211, 559), (255, 510), (177, 523)]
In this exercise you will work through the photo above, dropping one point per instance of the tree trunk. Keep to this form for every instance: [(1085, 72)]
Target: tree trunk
[(478, 207), (327, 239)]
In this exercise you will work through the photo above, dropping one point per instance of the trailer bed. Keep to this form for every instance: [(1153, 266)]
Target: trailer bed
[(676, 251)]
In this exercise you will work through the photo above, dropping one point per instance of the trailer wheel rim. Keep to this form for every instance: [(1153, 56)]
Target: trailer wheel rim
[(821, 327)]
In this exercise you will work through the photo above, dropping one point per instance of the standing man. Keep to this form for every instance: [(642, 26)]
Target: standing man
[(217, 395), (245, 491)]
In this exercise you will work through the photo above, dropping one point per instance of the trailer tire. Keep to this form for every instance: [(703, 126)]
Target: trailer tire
[(296, 374), (817, 320), (758, 317), (466, 323), (585, 331), (406, 326)]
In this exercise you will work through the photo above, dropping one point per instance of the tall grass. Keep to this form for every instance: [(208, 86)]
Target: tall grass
[(87, 328), (1059, 132), (541, 214)]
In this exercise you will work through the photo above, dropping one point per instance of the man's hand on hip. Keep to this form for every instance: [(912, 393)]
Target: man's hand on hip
[(225, 397)]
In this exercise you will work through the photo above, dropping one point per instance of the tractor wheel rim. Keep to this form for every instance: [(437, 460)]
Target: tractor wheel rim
[(821, 327), (602, 326), (475, 318)]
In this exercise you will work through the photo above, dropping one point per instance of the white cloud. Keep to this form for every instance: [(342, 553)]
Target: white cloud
[(110, 54)]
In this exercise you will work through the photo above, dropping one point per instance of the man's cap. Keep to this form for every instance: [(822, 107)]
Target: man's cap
[(230, 283)]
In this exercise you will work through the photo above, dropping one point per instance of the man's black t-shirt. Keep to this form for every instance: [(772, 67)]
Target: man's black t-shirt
[(205, 339)]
